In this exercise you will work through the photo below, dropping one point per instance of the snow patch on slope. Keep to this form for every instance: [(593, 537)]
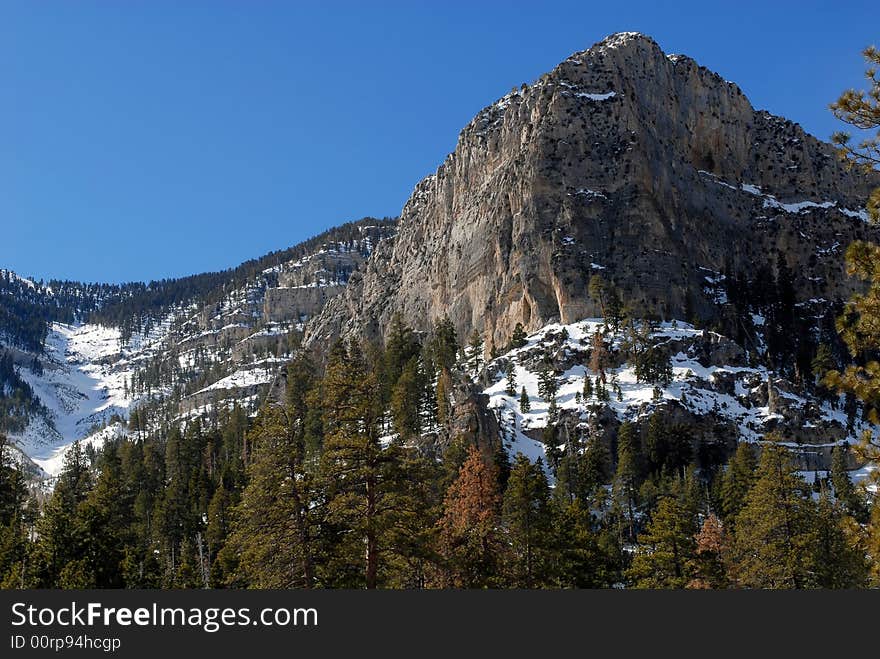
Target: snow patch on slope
[(691, 386), (83, 385), (772, 202)]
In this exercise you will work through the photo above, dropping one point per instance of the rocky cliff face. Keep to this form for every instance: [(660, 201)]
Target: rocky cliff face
[(304, 286), (624, 161)]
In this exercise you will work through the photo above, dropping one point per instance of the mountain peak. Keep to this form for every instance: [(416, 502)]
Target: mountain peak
[(620, 39), (619, 43), (646, 168)]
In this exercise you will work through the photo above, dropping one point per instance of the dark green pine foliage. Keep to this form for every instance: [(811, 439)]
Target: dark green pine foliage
[(581, 471), (525, 404), (407, 399), (17, 400), (402, 347), (519, 338), (775, 541), (547, 384), (840, 560), (627, 479), (510, 388), (650, 361), (666, 548), (59, 560), (16, 520), (443, 345), (594, 470), (667, 447), (104, 521), (579, 556), (185, 499), (588, 388), (474, 353), (736, 482), (526, 521), (844, 490), (276, 539), (364, 482), (598, 291)]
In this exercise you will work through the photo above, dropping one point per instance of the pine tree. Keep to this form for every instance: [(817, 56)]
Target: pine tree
[(737, 481), (568, 485), (858, 326), (666, 548), (103, 522), (656, 444), (844, 490), (177, 515), (401, 347), (14, 543), (407, 395), (275, 531), (594, 468), (839, 559), (475, 353), (588, 388), (525, 517), (60, 542), (443, 345), (872, 545), (524, 403), (217, 531), (443, 393), (510, 389), (775, 539), (628, 475), (519, 338), (862, 110), (365, 484), (579, 558), (598, 291), (614, 310), (602, 393), (547, 384), (468, 531), (707, 565), (650, 362), (822, 363), (411, 538)]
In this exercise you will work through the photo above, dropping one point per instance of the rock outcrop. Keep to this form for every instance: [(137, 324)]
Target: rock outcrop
[(304, 286), (624, 161)]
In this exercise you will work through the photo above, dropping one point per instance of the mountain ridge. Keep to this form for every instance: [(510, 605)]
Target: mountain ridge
[(167, 352)]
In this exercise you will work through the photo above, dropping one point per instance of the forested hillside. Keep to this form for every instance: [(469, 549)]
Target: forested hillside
[(334, 486)]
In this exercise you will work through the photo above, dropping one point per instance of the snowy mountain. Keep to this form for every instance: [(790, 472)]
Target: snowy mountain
[(220, 347), (643, 168)]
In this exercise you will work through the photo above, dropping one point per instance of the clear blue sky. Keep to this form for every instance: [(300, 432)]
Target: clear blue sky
[(146, 139)]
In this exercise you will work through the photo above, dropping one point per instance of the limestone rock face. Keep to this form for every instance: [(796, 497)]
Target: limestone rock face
[(297, 303), (624, 161), (304, 286)]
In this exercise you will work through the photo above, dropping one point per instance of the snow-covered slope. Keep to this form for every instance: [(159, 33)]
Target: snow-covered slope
[(224, 348), (83, 386), (711, 380)]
